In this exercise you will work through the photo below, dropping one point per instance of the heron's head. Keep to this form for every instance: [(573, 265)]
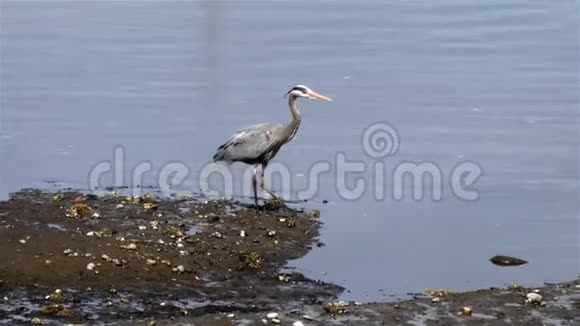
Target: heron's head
[(303, 91)]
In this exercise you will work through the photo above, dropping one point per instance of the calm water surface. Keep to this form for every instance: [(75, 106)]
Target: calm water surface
[(492, 82)]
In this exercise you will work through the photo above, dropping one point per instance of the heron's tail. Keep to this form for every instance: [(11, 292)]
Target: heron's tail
[(220, 154)]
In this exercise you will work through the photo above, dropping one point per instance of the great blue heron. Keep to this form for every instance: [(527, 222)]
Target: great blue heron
[(258, 144)]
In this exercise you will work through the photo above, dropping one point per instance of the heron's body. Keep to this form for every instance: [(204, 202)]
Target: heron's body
[(258, 144)]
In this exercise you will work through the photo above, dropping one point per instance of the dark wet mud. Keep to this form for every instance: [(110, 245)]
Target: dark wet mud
[(116, 257), (71, 258)]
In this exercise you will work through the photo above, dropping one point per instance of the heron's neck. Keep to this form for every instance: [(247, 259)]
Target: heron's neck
[(296, 118)]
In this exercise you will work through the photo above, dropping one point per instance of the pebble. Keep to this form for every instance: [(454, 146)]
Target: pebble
[(533, 298), (466, 311), (436, 300), (22, 241), (151, 262), (298, 323), (37, 321), (142, 228), (90, 233), (130, 246), (90, 266), (276, 321), (106, 257), (242, 233), (272, 315), (231, 315), (96, 215), (67, 251), (180, 269), (48, 261)]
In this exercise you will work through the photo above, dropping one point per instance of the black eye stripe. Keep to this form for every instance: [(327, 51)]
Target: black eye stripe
[(301, 89)]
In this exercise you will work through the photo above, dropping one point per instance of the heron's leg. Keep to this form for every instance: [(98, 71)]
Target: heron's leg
[(268, 191), (255, 184)]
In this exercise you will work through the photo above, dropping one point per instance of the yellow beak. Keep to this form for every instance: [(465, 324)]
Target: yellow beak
[(317, 96)]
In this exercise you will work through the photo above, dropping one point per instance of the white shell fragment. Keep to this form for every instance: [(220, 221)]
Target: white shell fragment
[(272, 315), (533, 298)]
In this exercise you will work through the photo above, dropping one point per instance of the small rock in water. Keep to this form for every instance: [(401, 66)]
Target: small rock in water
[(37, 321), (90, 266), (275, 321), (298, 323), (151, 262), (507, 261), (22, 241)]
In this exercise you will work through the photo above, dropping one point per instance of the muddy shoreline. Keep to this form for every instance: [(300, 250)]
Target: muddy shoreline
[(75, 258)]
